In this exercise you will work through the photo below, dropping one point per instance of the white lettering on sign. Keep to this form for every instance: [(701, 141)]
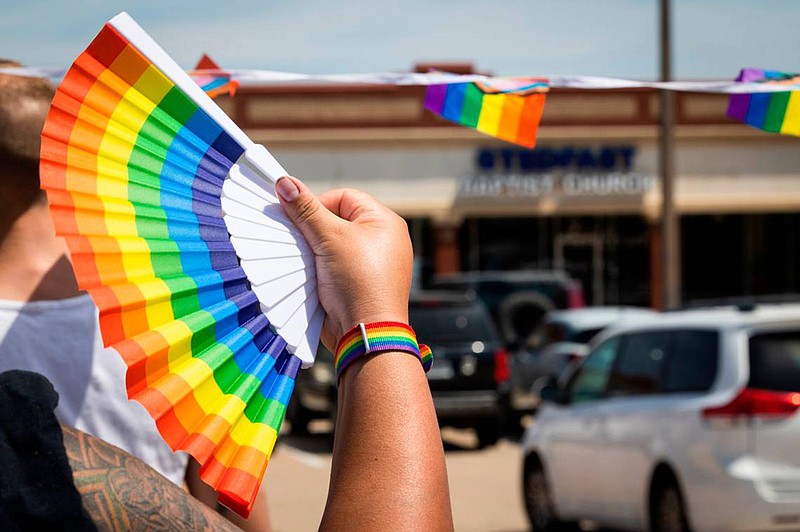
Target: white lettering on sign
[(606, 184), (547, 184)]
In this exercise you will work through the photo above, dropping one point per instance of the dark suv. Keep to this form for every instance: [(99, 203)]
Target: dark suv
[(517, 300), (468, 380)]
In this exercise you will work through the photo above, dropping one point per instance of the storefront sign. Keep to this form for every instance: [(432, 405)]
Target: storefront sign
[(507, 160), (549, 184), (556, 171)]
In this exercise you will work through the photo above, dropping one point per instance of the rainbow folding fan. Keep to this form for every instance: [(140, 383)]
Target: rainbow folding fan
[(204, 286)]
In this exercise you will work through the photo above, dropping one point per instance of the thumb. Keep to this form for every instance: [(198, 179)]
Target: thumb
[(306, 211)]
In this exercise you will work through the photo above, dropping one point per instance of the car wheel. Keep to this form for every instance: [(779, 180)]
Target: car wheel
[(299, 416), (515, 427), (538, 500), (669, 514), (488, 433), (520, 314)]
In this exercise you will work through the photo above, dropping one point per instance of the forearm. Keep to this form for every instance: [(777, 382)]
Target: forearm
[(120, 492), (388, 469)]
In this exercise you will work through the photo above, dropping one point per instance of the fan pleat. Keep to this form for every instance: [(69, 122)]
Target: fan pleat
[(265, 207), (99, 260), (260, 272), (153, 353), (247, 229), (310, 340), (114, 186), (65, 200), (196, 386), (245, 178), (227, 412), (102, 223), (278, 266), (276, 290), (262, 209), (112, 178), (198, 336), (241, 452), (236, 211), (129, 101), (129, 309), (292, 317), (250, 249)]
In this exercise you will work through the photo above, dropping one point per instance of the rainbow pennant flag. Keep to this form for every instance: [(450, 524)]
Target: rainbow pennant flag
[(776, 112), (212, 79), (506, 108)]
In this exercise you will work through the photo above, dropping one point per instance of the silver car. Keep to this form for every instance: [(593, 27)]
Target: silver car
[(687, 422)]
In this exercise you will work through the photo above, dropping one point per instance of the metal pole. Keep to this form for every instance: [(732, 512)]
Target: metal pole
[(670, 230)]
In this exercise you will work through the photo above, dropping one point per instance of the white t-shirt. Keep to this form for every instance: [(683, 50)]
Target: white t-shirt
[(61, 340)]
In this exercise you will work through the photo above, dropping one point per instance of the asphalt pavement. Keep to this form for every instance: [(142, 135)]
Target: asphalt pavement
[(484, 483)]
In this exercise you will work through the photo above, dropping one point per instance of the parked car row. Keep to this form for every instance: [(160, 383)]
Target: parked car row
[(517, 300), (685, 422), (469, 379), (476, 381), (560, 340)]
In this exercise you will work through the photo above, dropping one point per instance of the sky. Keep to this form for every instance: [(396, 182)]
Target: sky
[(712, 39)]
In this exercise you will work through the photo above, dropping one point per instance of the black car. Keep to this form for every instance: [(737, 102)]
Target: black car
[(468, 380)]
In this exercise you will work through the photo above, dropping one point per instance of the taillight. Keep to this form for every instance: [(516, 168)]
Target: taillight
[(575, 297), (501, 371), (754, 402)]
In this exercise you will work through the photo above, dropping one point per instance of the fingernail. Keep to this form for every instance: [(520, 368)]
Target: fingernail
[(287, 189)]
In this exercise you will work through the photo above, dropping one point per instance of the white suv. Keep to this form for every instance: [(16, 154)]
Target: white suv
[(687, 422)]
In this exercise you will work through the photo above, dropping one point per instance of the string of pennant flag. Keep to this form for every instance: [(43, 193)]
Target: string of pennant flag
[(511, 108)]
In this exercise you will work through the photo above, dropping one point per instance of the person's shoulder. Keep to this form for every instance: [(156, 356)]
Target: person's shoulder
[(77, 302)]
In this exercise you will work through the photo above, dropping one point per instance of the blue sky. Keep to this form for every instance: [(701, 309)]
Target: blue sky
[(713, 39)]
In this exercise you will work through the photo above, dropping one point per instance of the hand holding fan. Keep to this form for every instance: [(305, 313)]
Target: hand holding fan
[(204, 286)]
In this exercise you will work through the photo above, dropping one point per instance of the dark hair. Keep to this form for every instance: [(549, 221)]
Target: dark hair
[(24, 102)]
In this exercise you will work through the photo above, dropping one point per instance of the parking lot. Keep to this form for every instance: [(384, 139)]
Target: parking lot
[(484, 484)]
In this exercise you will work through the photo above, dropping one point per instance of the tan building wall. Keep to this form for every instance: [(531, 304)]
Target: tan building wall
[(381, 140)]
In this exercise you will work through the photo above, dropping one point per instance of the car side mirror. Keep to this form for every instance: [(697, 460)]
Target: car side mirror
[(548, 390), (551, 393)]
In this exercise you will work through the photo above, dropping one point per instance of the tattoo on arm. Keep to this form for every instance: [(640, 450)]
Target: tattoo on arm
[(120, 492)]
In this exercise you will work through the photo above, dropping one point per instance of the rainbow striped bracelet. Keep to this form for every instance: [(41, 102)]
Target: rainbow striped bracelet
[(379, 337)]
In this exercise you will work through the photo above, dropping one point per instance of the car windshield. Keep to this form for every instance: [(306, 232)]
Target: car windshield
[(451, 323), (584, 336), (775, 361)]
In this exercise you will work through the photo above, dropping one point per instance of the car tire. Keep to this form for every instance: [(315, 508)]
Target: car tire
[(514, 426), (668, 510), (488, 433), (299, 417), (520, 313), (539, 502)]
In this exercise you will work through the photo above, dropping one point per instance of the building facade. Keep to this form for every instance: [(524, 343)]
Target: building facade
[(586, 200)]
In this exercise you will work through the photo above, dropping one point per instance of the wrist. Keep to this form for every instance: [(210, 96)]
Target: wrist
[(379, 337), (376, 316)]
